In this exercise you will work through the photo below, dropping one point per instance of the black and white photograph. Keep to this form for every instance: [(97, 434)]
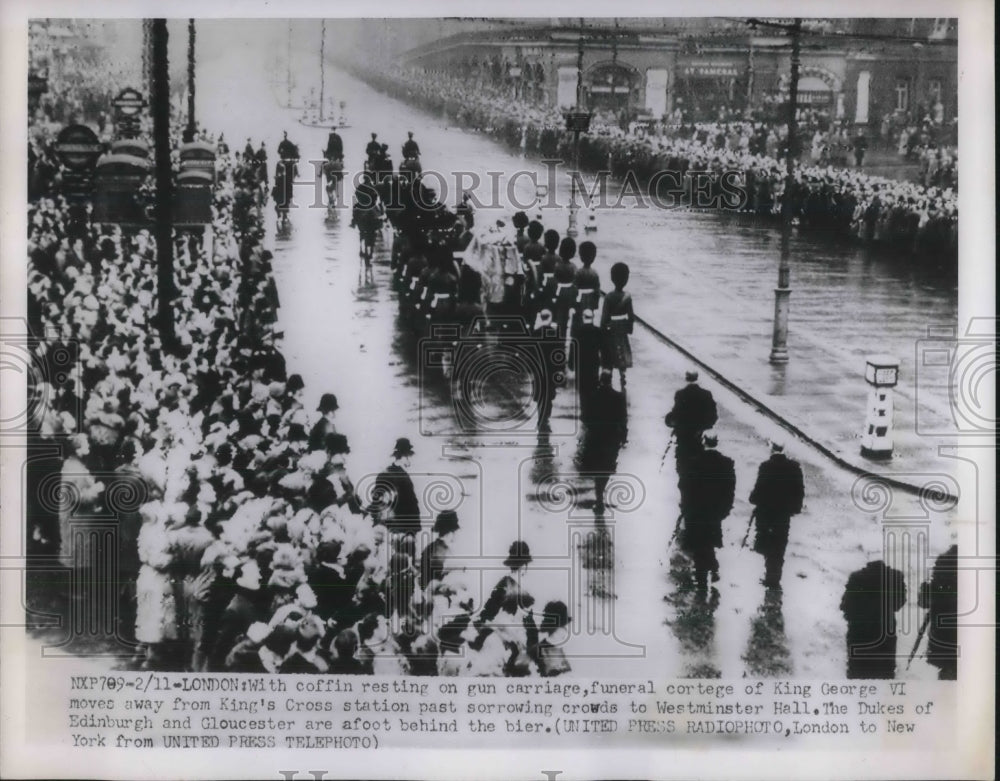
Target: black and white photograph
[(351, 363)]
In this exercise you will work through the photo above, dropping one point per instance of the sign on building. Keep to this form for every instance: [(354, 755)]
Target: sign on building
[(128, 108), (78, 147)]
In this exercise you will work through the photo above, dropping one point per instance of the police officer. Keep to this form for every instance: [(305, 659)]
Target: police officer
[(708, 489), (940, 597), (777, 496), (693, 413), (873, 595), (394, 499)]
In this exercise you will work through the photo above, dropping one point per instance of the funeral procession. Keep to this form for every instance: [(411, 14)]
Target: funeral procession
[(503, 347)]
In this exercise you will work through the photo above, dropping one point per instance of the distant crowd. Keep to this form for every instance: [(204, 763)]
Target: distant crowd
[(843, 200)]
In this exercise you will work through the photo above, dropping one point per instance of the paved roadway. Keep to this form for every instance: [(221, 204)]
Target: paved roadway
[(695, 277)]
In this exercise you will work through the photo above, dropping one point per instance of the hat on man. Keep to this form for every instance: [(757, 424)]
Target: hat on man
[(403, 448), (294, 383), (710, 439), (691, 376), (777, 447), (328, 403), (519, 555), (447, 521)]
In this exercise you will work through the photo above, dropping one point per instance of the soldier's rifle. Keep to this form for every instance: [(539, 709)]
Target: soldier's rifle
[(673, 438), (920, 636)]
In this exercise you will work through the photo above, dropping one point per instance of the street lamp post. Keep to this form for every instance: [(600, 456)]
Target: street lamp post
[(783, 292), (191, 124), (165, 288), (571, 229)]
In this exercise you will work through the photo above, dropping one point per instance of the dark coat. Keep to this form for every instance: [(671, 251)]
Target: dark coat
[(432, 562), (708, 489), (334, 146), (871, 599), (394, 501), (694, 411), (940, 597), (242, 610), (320, 494), (333, 591), (317, 435), (777, 495)]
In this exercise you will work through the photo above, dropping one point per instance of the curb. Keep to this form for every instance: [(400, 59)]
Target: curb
[(776, 417)]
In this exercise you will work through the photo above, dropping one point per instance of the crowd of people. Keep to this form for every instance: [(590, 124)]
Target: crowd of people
[(240, 542), (845, 202)]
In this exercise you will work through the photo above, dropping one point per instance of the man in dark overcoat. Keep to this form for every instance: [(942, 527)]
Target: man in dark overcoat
[(777, 496)]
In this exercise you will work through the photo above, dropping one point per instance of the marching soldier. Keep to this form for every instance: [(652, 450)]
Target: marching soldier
[(873, 595), (586, 332), (694, 413), (564, 292), (777, 496), (708, 488), (532, 254)]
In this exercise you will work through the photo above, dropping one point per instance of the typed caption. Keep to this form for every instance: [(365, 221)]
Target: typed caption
[(182, 711)]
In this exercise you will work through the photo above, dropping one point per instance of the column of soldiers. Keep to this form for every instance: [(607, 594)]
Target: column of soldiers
[(707, 483)]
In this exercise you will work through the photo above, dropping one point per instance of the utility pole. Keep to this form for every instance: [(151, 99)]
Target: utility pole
[(163, 208), (783, 292), (191, 124)]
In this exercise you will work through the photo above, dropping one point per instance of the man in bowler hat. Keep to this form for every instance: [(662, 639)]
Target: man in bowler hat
[(325, 425)]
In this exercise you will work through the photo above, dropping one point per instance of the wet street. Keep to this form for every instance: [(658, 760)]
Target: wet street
[(703, 280)]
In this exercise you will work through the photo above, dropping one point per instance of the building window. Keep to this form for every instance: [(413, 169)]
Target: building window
[(934, 90), (902, 95)]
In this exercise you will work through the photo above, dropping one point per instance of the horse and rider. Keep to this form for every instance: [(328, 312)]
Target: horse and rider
[(333, 165), (285, 174)]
